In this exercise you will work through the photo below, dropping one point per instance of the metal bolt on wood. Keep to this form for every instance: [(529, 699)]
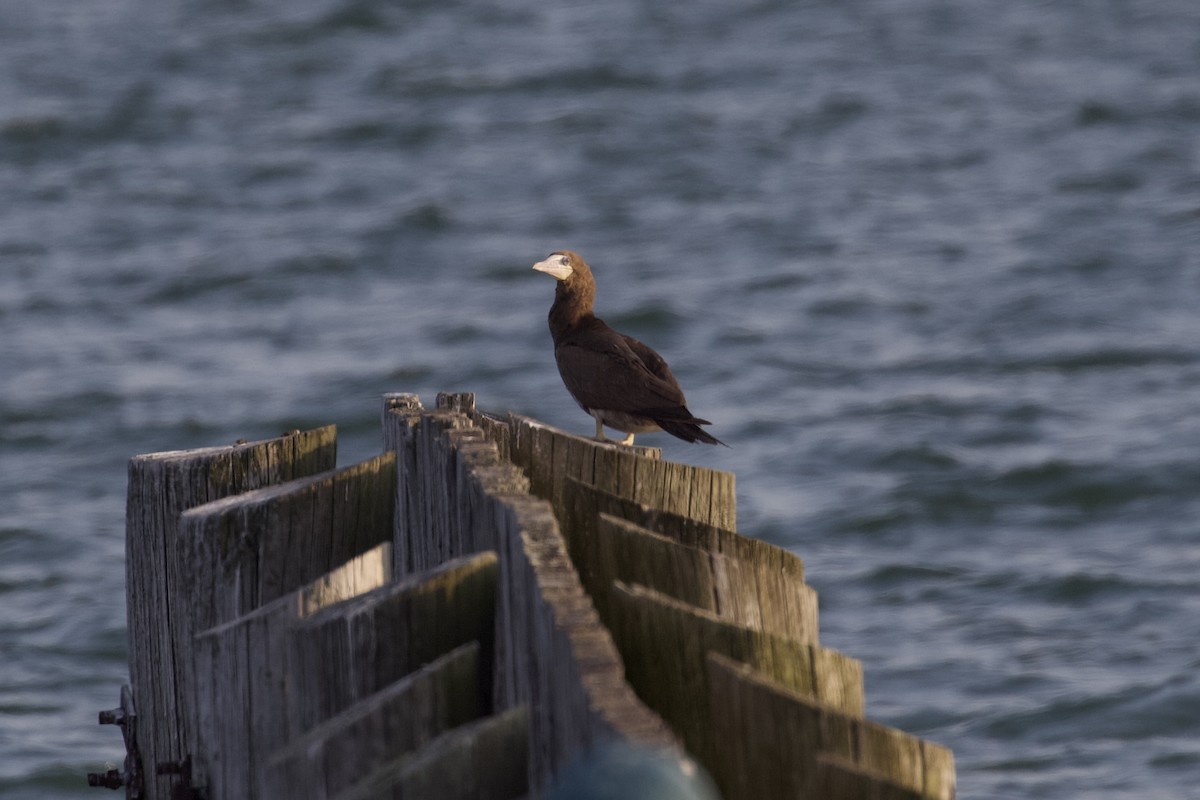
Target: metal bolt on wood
[(106, 780), (113, 716), (124, 716), (182, 789)]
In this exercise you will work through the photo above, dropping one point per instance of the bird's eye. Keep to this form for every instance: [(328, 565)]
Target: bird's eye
[(563, 261)]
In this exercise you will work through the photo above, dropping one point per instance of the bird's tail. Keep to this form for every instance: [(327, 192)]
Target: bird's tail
[(690, 430)]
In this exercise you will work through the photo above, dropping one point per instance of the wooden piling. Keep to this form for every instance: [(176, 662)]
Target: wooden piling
[(482, 760), (743, 590), (330, 757), (245, 550), (553, 655), (465, 614), (818, 750), (161, 487), (665, 642), (239, 675), (348, 651)]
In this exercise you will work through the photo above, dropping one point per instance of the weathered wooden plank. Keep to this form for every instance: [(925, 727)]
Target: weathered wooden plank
[(434, 521), (462, 402), (432, 493), (664, 643), (637, 474), (246, 550), (625, 477), (464, 447), (401, 413), (941, 778), (581, 460), (744, 579), (394, 721), (775, 737), (498, 430), (585, 501), (266, 677), (482, 478), (556, 657), (521, 447), (350, 513), (723, 498), (654, 485), (887, 751), (483, 760), (360, 574), (555, 461), (541, 471), (743, 591), (223, 693), (399, 403), (702, 504), (841, 779), (605, 470), (545, 617), (548, 455), (241, 676), (622, 551), (551, 652), (348, 651), (162, 486)]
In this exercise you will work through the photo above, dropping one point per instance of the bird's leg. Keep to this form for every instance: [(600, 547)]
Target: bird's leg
[(628, 440), (600, 437)]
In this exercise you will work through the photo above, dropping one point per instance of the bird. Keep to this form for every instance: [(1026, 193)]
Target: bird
[(619, 381)]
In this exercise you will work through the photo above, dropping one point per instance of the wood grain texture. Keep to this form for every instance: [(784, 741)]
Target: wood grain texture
[(552, 654), (549, 456), (742, 590), (444, 620), (814, 750), (161, 487), (241, 676), (586, 501), (393, 722), (248, 549), (345, 652), (665, 644), (483, 760)]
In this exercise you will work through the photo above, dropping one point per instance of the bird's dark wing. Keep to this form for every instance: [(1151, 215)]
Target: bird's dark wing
[(602, 369), (653, 362)]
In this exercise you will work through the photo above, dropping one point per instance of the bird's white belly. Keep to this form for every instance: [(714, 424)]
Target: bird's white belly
[(627, 423)]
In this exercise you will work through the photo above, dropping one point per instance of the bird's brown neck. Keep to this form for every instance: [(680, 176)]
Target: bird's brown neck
[(572, 307)]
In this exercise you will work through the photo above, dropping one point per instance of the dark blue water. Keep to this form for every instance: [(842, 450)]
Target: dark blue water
[(932, 269)]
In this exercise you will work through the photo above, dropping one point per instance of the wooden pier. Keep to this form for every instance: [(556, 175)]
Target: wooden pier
[(466, 614)]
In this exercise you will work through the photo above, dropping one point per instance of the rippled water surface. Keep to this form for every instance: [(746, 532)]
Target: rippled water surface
[(932, 269)]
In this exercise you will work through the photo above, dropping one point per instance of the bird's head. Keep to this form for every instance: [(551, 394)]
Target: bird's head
[(562, 264)]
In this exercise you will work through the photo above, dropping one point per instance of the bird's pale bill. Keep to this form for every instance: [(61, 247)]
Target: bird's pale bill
[(557, 265)]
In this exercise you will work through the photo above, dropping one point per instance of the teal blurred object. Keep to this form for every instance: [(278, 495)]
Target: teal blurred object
[(621, 772)]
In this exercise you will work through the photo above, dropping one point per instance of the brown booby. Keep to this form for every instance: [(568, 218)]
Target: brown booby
[(615, 378)]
